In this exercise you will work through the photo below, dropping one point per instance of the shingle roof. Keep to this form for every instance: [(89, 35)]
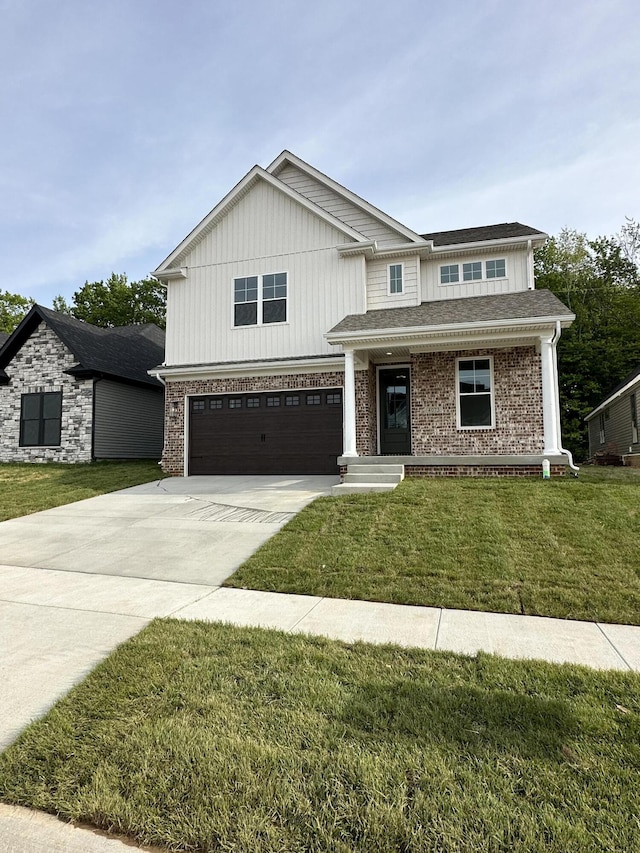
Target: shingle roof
[(126, 352), (482, 233), (474, 309)]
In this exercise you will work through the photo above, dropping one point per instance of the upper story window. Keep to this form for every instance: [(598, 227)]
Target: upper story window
[(40, 419), (449, 274), (473, 271), (260, 300), (395, 278), (475, 393)]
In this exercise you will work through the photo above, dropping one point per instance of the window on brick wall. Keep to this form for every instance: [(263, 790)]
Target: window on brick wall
[(475, 405), (40, 419)]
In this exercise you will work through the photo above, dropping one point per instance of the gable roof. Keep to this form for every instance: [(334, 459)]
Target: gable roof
[(287, 158), (206, 225), (520, 306), (504, 231), (627, 383), (124, 353)]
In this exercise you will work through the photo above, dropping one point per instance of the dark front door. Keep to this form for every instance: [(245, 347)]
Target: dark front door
[(395, 404)]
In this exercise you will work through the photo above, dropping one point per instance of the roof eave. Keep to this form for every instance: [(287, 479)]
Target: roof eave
[(612, 397), (486, 328), (507, 242)]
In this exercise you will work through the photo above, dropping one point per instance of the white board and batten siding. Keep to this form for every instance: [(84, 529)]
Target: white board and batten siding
[(517, 276), (128, 421), (343, 209), (265, 232), (378, 295)]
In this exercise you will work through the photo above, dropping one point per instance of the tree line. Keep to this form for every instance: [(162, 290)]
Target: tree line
[(599, 280)]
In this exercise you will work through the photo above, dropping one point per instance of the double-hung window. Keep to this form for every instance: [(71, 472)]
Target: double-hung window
[(395, 278), (634, 420), (40, 419), (475, 393), (260, 300)]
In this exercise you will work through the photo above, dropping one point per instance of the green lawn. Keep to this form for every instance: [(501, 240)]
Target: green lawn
[(563, 547), (27, 488), (213, 738)]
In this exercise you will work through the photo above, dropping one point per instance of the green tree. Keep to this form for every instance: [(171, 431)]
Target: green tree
[(117, 302), (13, 308), (599, 281)]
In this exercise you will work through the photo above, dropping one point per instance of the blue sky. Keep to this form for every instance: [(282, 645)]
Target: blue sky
[(125, 121)]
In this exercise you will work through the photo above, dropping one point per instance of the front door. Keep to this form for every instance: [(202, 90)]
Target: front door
[(394, 407)]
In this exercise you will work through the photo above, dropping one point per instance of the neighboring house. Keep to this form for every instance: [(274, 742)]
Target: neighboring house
[(307, 331), (613, 425), (72, 392)]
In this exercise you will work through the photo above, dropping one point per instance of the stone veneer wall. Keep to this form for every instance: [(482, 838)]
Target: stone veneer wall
[(38, 367), (173, 455), (518, 405)]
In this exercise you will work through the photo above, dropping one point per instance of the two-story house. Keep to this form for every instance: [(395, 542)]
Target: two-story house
[(308, 331)]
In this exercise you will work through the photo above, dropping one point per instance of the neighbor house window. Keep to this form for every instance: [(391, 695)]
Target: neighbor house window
[(260, 300), (601, 430), (449, 274), (496, 269), (40, 418), (395, 278), (472, 271), (475, 393), (634, 420)]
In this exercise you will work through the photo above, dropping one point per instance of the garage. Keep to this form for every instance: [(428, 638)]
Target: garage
[(273, 432)]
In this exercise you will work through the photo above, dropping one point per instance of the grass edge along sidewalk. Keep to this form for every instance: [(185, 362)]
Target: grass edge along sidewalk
[(209, 737), (563, 548)]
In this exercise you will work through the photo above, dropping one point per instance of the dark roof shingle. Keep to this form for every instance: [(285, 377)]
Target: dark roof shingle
[(471, 309), (484, 232)]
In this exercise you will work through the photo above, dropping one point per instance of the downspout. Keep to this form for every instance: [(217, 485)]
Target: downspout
[(164, 425), (556, 337)]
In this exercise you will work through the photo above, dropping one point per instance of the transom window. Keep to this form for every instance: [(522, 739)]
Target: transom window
[(395, 278), (473, 271), (475, 393), (260, 300), (40, 419)]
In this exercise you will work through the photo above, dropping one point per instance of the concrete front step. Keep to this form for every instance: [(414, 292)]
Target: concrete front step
[(361, 488), (356, 477), (376, 469)]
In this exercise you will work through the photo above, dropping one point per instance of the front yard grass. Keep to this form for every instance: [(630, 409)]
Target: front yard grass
[(563, 547), (213, 738), (32, 487)]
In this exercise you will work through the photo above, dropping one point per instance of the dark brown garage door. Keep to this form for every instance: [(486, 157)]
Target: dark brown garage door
[(288, 432)]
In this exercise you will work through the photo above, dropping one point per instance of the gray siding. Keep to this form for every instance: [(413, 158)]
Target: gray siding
[(618, 433), (128, 422)]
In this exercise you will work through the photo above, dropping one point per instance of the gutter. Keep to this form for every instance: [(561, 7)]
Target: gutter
[(556, 337)]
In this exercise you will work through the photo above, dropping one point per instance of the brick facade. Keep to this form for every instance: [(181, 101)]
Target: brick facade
[(173, 455), (518, 405), (39, 367), (517, 393)]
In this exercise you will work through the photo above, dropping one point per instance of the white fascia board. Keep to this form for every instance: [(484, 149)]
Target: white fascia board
[(251, 368), (506, 242), (232, 197), (535, 324), (608, 400), (288, 157)]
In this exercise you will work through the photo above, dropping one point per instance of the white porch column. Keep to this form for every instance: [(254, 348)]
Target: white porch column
[(550, 403), (349, 405)]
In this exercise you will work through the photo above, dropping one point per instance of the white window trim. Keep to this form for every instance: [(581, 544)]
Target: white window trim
[(492, 393), (460, 265), (260, 301), (397, 292)]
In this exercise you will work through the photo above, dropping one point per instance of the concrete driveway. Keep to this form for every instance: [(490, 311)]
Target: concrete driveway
[(80, 579)]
